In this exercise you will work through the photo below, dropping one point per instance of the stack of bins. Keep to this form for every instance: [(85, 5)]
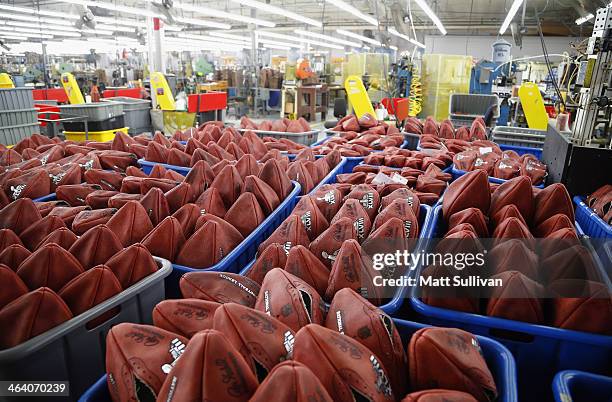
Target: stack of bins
[(443, 75), (136, 113), (18, 116), (103, 120), (465, 108)]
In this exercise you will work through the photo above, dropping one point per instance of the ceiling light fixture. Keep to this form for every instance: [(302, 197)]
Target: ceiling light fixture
[(511, 13), (347, 7), (584, 19), (415, 42), (434, 18), (30, 11), (299, 40), (29, 18), (360, 37), (222, 14), (204, 23), (278, 11), (108, 6), (327, 37)]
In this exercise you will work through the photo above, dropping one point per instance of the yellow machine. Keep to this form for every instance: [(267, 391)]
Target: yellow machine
[(358, 96), (75, 97), (6, 81), (533, 106), (161, 90)]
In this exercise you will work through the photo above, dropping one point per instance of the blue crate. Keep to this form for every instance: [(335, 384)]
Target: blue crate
[(244, 252), (537, 152), (457, 173), (147, 166), (579, 386), (540, 351), (49, 197), (393, 306), (592, 224), (498, 358)]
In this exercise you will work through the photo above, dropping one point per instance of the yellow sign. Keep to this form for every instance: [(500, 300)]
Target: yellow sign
[(75, 97), (161, 90), (358, 96), (6, 81), (533, 106)]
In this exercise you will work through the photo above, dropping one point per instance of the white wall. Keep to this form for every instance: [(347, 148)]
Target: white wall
[(480, 46)]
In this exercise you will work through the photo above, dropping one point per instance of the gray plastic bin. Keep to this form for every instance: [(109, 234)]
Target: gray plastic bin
[(519, 136), (71, 351), (306, 138), (11, 135), (464, 106), (16, 98), (94, 111), (137, 116), (18, 117)]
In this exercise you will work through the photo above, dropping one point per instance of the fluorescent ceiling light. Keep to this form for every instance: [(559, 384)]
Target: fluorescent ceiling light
[(119, 21), (108, 6), (584, 19), (327, 37), (30, 11), (357, 36), (40, 25), (299, 40), (210, 39), (511, 13), (222, 14), (228, 36), (36, 32), (10, 35), (29, 18), (393, 48), (434, 18), (204, 23), (347, 7), (115, 28), (278, 11), (415, 42), (172, 28)]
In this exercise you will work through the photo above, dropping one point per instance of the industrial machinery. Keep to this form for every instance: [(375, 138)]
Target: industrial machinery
[(595, 102)]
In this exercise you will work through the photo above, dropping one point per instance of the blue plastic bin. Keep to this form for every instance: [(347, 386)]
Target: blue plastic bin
[(393, 306), (579, 386), (147, 166), (244, 252), (592, 224), (49, 197), (537, 152), (540, 351), (498, 358), (457, 173)]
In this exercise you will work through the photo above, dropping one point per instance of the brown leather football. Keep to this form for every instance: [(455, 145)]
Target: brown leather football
[(108, 180), (513, 255), (439, 395), (132, 264), (312, 218), (354, 210), (188, 215), (63, 237), (130, 224), (30, 315), (509, 211), (347, 369), (166, 239), (452, 359), (291, 381), (327, 246), (552, 224), (68, 214), (185, 317), (13, 255), (13, 286), (229, 183), (519, 299), (290, 233), (552, 200), (88, 219), (221, 287), (156, 205), (262, 340), (33, 184), (99, 199), (210, 369), (470, 190), (276, 177), (221, 238), (402, 193), (119, 200), (290, 299), (246, 214), (274, 256), (305, 265), (75, 194), (18, 215), (329, 200), (164, 185), (89, 289), (474, 217), (50, 266), (352, 315), (138, 358), (399, 208), (95, 246), (514, 192)]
